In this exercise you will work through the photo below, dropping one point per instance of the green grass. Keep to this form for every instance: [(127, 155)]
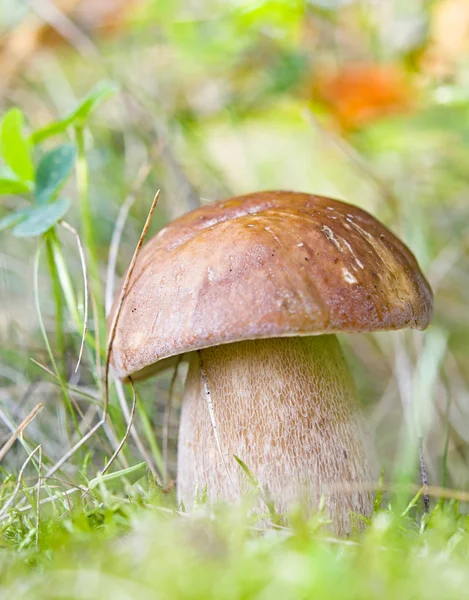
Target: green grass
[(138, 548)]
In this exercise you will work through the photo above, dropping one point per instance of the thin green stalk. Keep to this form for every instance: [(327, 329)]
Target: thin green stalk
[(69, 294), (444, 477), (412, 503), (63, 386), (150, 436), (82, 176), (65, 281), (59, 308)]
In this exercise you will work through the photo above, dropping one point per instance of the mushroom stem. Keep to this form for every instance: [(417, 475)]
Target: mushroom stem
[(287, 408)]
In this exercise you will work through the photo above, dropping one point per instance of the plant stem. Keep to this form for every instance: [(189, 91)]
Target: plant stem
[(82, 175), (61, 379), (423, 473), (444, 476), (65, 281), (69, 294), (59, 312)]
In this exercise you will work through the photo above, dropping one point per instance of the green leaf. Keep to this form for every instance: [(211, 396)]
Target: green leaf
[(41, 218), (132, 474), (14, 146), (54, 128), (13, 218), (247, 471), (53, 171), (101, 92), (13, 186), (80, 114)]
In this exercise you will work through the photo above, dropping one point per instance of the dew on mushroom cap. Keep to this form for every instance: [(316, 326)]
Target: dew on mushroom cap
[(348, 276)]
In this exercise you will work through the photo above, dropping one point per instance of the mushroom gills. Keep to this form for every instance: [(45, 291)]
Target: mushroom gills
[(287, 408)]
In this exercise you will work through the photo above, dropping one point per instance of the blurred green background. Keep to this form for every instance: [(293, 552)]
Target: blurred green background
[(364, 101)]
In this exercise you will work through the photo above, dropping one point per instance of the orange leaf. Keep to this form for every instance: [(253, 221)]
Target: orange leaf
[(361, 93)]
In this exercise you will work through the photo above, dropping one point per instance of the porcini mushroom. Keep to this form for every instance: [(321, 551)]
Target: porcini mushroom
[(259, 285)]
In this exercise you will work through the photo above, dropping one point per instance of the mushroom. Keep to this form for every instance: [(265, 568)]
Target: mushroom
[(252, 291)]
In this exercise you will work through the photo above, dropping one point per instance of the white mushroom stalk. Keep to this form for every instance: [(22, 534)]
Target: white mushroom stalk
[(287, 408)]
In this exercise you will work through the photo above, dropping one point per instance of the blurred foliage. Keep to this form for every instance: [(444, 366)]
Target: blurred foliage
[(366, 101), (138, 549)]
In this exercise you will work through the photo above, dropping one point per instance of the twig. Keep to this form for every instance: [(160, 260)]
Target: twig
[(129, 428), (138, 442), (36, 410), (115, 319), (18, 483), (433, 491), (74, 448), (120, 302), (12, 428), (212, 418), (110, 431), (423, 473), (75, 233), (167, 417)]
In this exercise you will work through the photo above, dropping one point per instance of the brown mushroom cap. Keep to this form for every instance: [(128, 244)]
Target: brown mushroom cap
[(270, 264)]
